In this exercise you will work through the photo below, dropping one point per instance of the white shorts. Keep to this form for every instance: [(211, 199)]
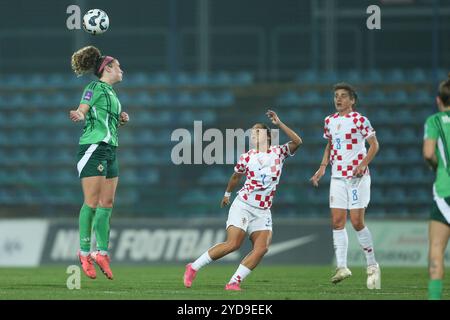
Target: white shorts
[(249, 218), (353, 193)]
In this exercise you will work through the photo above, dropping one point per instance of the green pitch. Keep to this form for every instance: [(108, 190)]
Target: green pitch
[(165, 282)]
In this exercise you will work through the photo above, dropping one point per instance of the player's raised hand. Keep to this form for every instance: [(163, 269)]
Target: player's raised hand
[(317, 176), (76, 115), (273, 117), (124, 118), (225, 202)]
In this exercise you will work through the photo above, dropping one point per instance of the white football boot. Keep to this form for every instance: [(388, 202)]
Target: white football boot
[(341, 274), (373, 277)]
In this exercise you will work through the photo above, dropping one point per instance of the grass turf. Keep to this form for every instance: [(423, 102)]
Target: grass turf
[(165, 282)]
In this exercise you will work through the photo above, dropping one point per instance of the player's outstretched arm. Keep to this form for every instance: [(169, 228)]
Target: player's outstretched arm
[(80, 113), (429, 153), (296, 141), (373, 150), (323, 166), (232, 183)]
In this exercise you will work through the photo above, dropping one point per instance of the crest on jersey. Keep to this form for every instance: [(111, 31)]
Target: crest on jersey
[(100, 168)]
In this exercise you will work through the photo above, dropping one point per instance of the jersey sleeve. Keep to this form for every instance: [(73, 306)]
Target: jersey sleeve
[(431, 131), (364, 127), (282, 151), (89, 96), (241, 165), (326, 129), (285, 151)]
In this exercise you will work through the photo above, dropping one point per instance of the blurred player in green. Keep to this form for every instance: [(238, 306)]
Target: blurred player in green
[(97, 165), (436, 151)]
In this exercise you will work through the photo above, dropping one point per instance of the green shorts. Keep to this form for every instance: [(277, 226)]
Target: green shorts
[(97, 160), (437, 215)]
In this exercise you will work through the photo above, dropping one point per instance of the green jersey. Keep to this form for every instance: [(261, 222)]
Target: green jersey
[(437, 127), (102, 120)]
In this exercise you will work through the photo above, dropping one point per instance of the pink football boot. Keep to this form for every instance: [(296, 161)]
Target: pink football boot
[(103, 262), (87, 264), (189, 275), (233, 286)]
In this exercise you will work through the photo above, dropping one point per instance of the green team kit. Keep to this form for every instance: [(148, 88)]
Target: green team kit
[(437, 127), (98, 143)]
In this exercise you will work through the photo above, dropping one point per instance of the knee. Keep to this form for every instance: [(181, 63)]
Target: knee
[(436, 253), (261, 250), (338, 223), (106, 203), (358, 224), (92, 202)]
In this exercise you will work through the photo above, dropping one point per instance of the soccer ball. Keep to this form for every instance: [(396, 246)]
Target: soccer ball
[(95, 21)]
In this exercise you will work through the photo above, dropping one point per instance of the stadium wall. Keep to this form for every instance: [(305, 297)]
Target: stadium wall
[(34, 242)]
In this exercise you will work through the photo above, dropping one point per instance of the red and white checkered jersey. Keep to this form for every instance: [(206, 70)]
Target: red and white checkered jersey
[(263, 171), (347, 135)]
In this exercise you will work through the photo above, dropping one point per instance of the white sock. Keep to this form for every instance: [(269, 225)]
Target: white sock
[(340, 241), (365, 240), (202, 261), (84, 253), (240, 274)]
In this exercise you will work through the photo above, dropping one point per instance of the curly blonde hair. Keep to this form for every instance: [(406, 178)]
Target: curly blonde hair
[(86, 60)]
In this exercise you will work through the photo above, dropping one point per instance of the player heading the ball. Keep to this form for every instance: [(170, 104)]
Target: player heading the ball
[(98, 167)]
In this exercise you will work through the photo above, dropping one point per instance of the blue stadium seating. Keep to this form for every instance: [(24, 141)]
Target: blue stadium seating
[(373, 77), (36, 108), (352, 76), (417, 76), (307, 77), (289, 98)]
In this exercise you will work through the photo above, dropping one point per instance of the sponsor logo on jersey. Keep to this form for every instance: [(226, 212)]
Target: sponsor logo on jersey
[(445, 119)]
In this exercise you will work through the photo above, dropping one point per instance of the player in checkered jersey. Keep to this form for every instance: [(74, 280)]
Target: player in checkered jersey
[(347, 132), (250, 211)]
